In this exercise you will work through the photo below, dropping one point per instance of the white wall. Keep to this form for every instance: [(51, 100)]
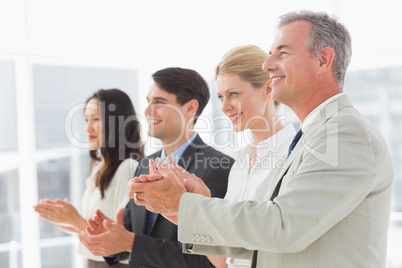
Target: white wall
[(150, 35)]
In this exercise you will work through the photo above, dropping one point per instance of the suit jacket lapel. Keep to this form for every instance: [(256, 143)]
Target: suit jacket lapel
[(188, 156), (329, 110), (280, 173)]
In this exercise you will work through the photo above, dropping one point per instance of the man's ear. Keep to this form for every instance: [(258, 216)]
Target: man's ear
[(325, 60), (192, 107)]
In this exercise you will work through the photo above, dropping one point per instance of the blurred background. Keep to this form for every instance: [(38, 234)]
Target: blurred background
[(56, 53)]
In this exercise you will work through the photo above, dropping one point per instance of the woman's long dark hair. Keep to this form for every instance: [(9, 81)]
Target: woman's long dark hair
[(121, 134)]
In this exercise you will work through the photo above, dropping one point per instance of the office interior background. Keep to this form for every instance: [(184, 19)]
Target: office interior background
[(56, 53)]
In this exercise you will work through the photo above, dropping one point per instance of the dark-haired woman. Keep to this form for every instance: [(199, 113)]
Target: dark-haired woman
[(115, 148)]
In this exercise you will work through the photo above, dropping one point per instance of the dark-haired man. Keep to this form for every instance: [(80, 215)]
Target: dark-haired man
[(175, 100)]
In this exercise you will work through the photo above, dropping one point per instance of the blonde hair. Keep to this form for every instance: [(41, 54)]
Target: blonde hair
[(245, 61)]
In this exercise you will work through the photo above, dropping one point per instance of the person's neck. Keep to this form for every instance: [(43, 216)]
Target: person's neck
[(323, 93), (172, 145), (268, 127), (260, 136)]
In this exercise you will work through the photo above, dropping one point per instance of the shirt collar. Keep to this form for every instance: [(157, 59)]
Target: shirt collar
[(312, 116), (179, 151)]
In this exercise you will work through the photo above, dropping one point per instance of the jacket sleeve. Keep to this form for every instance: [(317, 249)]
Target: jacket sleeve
[(152, 252), (114, 259)]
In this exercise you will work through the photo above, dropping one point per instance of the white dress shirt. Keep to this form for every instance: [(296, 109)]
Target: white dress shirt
[(116, 197), (245, 185)]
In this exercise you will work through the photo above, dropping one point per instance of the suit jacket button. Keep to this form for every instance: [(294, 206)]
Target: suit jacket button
[(208, 239), (202, 238), (197, 238)]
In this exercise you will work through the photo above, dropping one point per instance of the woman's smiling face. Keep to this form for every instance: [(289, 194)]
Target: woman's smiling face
[(243, 103)]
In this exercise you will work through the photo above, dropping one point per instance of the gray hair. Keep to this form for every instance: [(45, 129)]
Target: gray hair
[(325, 32)]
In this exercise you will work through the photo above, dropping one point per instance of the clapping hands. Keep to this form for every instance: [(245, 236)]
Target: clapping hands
[(60, 212), (104, 237), (161, 190)]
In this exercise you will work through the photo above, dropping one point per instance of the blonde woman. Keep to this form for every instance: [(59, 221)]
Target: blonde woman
[(245, 92)]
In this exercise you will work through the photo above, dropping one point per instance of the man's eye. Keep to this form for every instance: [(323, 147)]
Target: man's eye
[(233, 94)]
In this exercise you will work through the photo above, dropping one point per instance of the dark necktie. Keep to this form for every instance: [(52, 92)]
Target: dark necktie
[(152, 215), (151, 221), (294, 142)]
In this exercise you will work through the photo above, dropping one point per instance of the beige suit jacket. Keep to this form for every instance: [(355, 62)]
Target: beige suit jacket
[(332, 209)]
